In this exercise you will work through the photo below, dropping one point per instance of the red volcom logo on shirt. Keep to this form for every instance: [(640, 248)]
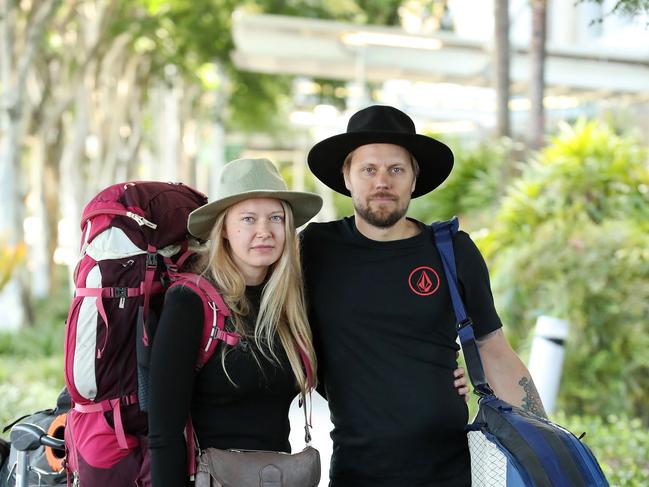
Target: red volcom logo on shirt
[(423, 281)]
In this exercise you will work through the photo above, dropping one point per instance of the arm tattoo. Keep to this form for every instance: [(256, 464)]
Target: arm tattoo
[(531, 401)]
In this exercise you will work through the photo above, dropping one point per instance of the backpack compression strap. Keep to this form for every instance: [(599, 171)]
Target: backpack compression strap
[(120, 293), (444, 232), (114, 405)]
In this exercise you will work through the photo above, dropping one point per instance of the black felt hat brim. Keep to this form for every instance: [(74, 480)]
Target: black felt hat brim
[(435, 159)]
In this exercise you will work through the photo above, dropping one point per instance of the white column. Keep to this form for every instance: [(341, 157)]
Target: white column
[(546, 358), (217, 156), (358, 96), (170, 128), (562, 23)]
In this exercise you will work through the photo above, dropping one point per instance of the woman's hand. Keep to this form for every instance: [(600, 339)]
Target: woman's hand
[(461, 383)]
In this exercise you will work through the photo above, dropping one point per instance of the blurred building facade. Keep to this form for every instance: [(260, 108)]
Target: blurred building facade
[(442, 72)]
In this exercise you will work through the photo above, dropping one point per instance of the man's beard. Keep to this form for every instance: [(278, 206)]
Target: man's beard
[(378, 218)]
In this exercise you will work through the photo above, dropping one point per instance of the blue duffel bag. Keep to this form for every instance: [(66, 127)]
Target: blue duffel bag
[(509, 446)]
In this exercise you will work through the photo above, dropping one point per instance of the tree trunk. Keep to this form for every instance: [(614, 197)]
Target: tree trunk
[(72, 193), (51, 190), (14, 70), (501, 67), (218, 153), (8, 127), (190, 99), (537, 74), (46, 142), (10, 300), (36, 236), (170, 127)]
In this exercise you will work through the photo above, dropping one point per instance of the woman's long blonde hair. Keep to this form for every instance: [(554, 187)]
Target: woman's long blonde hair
[(282, 311)]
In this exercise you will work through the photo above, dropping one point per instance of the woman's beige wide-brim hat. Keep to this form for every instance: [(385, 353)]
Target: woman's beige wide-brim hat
[(243, 179)]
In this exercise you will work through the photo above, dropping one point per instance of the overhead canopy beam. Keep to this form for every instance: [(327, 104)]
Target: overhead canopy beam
[(333, 50)]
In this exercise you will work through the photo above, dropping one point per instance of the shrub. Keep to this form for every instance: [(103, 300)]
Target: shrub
[(10, 257), (571, 240), (31, 359), (28, 385), (473, 188), (620, 444)]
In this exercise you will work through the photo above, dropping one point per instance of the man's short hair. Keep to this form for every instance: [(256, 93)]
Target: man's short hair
[(348, 160)]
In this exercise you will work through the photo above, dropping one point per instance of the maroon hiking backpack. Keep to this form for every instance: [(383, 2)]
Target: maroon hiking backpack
[(134, 240)]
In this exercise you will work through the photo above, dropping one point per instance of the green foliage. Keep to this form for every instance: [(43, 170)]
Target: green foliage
[(40, 340), (31, 359), (259, 101), (620, 444), (571, 240), (184, 33), (382, 12), (624, 7), (473, 188), (587, 173), (10, 257), (192, 34), (27, 386), (596, 277), (31, 370), (343, 204)]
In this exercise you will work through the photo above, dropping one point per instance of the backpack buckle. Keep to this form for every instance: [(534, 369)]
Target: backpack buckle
[(152, 260), (122, 294), (483, 390), (464, 323)]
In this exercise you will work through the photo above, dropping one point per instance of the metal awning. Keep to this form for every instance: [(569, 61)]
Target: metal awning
[(334, 50)]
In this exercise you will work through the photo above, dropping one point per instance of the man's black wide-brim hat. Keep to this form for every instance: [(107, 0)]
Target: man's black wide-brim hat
[(381, 124)]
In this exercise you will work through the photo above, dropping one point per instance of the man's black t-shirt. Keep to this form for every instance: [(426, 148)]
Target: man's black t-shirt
[(385, 338)]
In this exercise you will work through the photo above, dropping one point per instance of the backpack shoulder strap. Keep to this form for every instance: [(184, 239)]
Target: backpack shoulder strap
[(444, 233), (214, 311)]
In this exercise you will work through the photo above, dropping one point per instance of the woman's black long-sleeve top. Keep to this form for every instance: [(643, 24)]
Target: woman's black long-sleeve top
[(251, 414)]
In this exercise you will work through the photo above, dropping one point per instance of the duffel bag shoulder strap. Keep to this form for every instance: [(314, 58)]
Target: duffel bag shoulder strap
[(444, 233)]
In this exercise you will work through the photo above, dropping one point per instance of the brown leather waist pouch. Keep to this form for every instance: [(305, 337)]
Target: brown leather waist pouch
[(246, 468)]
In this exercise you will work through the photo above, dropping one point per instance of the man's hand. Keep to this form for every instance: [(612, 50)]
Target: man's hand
[(461, 383)]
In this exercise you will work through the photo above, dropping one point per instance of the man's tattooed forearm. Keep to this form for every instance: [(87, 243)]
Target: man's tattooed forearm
[(531, 400)]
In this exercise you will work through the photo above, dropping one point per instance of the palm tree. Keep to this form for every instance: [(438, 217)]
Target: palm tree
[(501, 67), (537, 73), (628, 7)]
